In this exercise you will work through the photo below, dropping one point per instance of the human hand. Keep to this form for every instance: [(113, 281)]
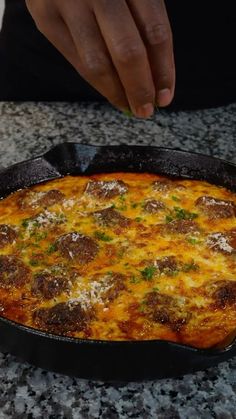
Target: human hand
[(123, 48)]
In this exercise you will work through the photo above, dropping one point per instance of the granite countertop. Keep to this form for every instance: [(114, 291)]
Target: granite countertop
[(27, 130)]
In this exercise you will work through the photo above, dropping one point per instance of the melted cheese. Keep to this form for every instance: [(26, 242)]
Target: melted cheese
[(152, 303)]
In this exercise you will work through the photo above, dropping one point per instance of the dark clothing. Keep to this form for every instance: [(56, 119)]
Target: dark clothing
[(204, 35)]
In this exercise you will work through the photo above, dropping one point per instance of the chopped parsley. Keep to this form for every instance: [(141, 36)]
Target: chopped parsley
[(192, 240), (180, 214), (51, 249), (35, 223), (123, 206), (100, 235), (169, 218), (40, 236), (34, 262), (187, 267), (134, 205), (109, 273), (172, 273), (138, 219), (25, 222), (175, 198), (148, 273), (142, 306), (128, 113), (135, 280)]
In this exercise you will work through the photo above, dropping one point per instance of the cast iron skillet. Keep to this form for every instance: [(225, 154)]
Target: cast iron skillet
[(106, 360)]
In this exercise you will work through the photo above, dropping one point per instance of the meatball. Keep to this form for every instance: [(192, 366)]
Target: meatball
[(48, 286), (152, 206), (7, 235), (63, 318), (166, 185), (35, 199), (106, 189), (45, 219), (166, 265), (223, 293), (181, 227), (109, 217), (166, 310), (117, 284), (13, 272), (216, 208), (77, 247), (224, 242), (50, 198)]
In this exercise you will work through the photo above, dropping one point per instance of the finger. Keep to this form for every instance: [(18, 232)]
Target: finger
[(153, 23), (95, 64), (55, 29), (128, 53)]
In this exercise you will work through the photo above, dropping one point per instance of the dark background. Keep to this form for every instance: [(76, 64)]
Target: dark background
[(204, 38)]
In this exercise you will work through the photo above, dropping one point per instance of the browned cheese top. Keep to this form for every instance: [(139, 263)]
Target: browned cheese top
[(121, 256)]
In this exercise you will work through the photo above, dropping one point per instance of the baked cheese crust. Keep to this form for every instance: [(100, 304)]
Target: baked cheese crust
[(121, 256)]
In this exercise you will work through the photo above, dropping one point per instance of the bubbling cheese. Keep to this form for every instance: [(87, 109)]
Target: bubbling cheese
[(121, 256)]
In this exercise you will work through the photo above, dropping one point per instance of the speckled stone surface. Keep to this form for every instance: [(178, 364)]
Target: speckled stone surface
[(27, 130)]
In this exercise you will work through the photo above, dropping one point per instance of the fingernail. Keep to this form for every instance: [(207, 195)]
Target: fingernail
[(164, 97), (145, 111)]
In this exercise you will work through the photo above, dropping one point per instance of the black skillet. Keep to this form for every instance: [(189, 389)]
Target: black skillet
[(113, 361)]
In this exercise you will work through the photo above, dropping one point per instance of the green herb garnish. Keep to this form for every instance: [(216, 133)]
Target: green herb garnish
[(148, 273), (36, 223), (192, 240), (169, 218), (40, 236), (128, 113), (172, 273), (122, 208), (34, 262), (135, 280), (25, 223), (142, 306), (51, 249), (175, 198), (182, 214), (138, 219), (100, 235), (187, 267)]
